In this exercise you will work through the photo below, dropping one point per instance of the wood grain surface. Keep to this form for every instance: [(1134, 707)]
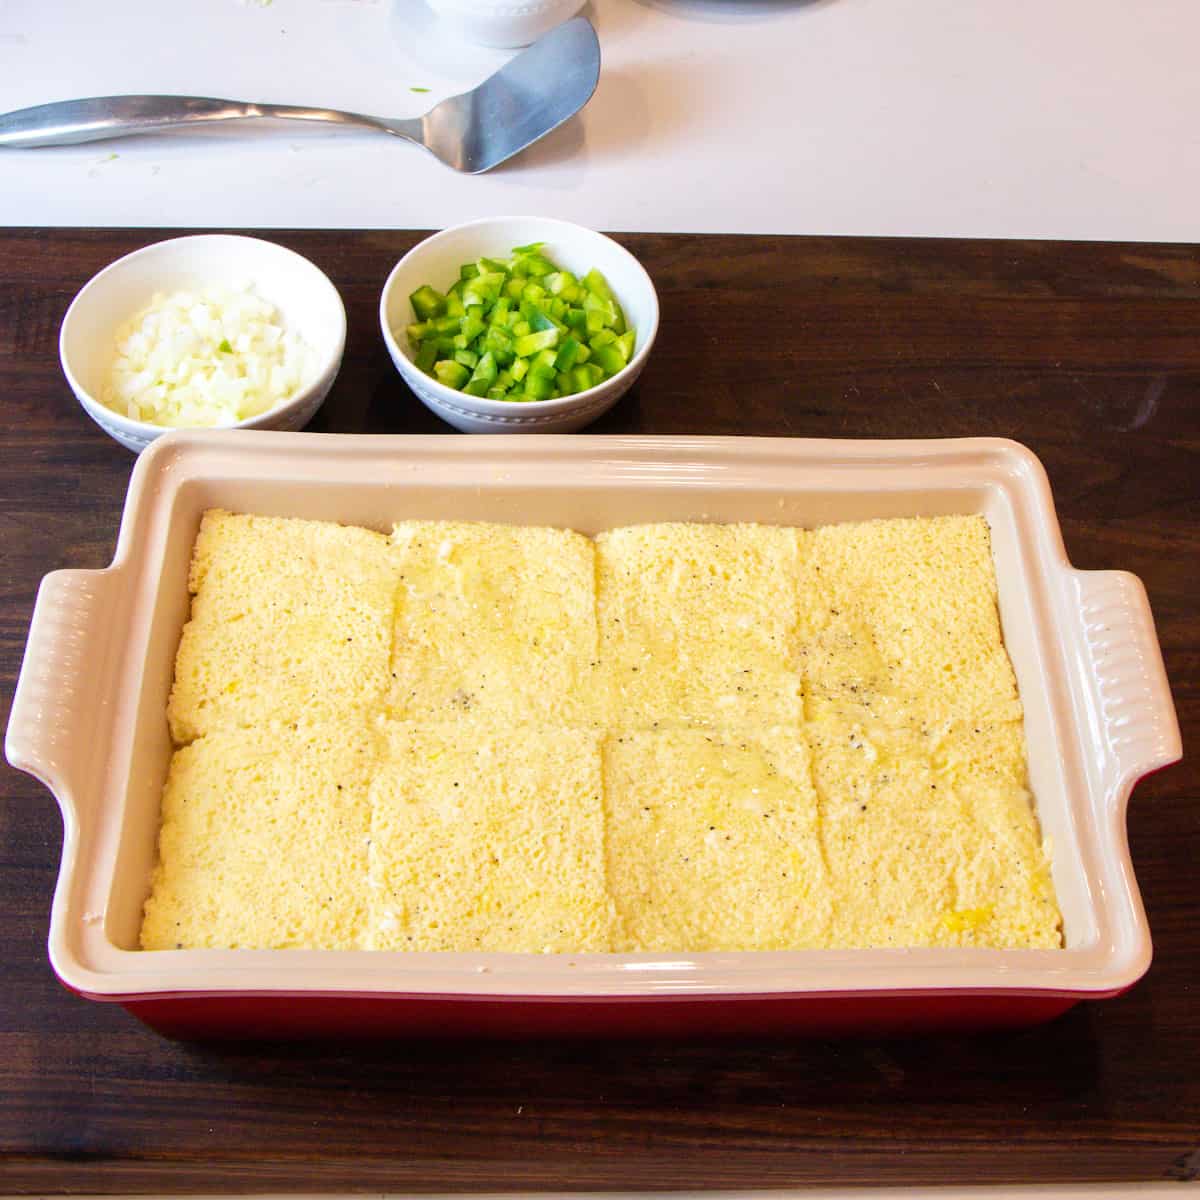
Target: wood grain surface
[(1090, 354)]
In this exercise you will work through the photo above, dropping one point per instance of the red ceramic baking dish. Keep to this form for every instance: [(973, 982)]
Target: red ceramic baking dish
[(88, 720)]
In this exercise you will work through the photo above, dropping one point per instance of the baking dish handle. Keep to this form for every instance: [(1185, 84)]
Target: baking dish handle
[(56, 711), (1131, 698)]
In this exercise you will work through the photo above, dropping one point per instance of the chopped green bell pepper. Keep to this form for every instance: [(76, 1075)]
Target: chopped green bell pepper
[(427, 302), (451, 373), (531, 343), (520, 329)]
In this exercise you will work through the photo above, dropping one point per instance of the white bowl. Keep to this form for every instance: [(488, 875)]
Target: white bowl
[(437, 260), (307, 301), (505, 23)]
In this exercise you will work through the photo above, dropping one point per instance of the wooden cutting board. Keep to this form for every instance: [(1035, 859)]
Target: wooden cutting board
[(1090, 354)]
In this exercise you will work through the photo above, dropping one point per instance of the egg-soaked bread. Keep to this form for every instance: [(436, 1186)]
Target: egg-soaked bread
[(677, 737), (929, 836), (492, 841), (697, 625), (263, 843), (495, 623), (713, 841), (898, 622), (289, 619)]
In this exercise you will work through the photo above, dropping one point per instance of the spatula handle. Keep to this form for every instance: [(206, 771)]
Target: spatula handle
[(69, 122)]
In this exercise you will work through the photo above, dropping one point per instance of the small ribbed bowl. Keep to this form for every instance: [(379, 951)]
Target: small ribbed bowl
[(307, 301), (503, 23), (437, 261)]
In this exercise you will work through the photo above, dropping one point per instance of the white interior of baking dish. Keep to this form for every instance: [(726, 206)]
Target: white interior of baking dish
[(90, 712)]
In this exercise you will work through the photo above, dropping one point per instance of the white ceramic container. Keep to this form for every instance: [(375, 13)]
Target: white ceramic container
[(503, 23), (88, 719), (306, 299), (437, 260)]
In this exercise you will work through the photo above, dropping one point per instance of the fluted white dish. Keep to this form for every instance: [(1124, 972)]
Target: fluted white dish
[(502, 23), (303, 294), (437, 260)]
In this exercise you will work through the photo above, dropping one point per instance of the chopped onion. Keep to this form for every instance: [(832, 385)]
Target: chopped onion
[(205, 358)]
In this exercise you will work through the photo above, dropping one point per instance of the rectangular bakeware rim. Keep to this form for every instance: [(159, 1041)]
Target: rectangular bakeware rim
[(1134, 741)]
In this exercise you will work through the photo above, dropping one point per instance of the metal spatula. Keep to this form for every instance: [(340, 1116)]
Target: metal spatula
[(523, 101)]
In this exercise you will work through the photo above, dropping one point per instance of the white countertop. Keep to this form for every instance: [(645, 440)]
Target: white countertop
[(986, 118)]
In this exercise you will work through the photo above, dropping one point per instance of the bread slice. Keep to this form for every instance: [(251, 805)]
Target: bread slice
[(697, 625), (898, 621), (495, 623), (489, 840), (713, 841), (263, 842), (290, 619), (930, 837)]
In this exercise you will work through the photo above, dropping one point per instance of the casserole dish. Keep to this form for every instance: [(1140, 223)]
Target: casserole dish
[(89, 721)]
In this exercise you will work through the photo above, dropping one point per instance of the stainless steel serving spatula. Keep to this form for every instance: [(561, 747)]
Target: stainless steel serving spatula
[(523, 101)]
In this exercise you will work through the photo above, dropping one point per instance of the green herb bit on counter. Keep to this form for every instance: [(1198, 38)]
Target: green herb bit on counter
[(520, 329)]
